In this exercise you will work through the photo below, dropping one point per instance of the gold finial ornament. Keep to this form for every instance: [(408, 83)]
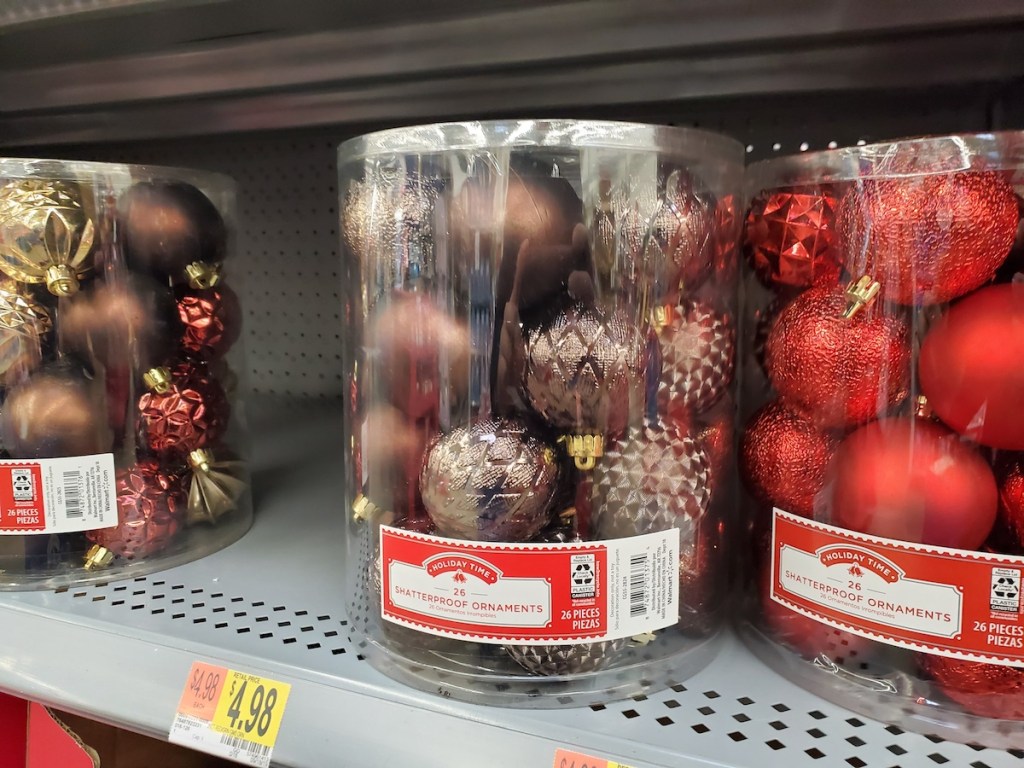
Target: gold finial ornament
[(585, 450), (98, 557), (216, 487), (202, 275), (860, 294), (158, 379), (363, 509), (45, 234)]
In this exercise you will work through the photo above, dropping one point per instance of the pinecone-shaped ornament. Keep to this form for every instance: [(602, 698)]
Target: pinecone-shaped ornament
[(556, 660)]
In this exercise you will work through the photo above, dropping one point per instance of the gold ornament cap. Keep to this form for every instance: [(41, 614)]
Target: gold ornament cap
[(98, 557), (61, 280), (202, 275), (584, 449), (859, 295), (158, 379), (363, 509)]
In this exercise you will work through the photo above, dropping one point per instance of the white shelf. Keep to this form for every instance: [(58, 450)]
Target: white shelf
[(271, 604)]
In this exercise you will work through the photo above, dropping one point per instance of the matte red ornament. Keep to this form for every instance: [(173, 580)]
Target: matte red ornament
[(212, 321), (928, 239), (838, 371), (913, 480), (1008, 535), (972, 366), (790, 238), (150, 511), (188, 411), (784, 457), (988, 690)]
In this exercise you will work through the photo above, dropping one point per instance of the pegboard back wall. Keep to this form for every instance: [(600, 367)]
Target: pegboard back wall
[(287, 238)]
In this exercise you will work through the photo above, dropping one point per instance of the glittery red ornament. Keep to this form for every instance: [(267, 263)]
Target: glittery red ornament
[(698, 356), (838, 371), (150, 511), (715, 430), (972, 366), (1008, 534), (790, 238), (810, 637), (783, 459), (988, 690), (913, 480), (928, 239), (191, 412), (212, 321)]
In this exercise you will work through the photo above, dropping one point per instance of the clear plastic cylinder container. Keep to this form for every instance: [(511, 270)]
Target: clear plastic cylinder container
[(540, 348), (122, 435), (882, 439)]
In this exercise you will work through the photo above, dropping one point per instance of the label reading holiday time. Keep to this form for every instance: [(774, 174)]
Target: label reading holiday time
[(944, 601), (63, 495), (530, 593)]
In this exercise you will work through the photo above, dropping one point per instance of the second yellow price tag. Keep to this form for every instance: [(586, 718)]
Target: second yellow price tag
[(250, 707)]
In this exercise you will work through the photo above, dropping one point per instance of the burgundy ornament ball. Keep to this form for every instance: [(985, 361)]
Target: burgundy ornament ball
[(928, 239), (913, 480), (784, 457), (838, 371), (971, 366), (186, 408), (167, 225), (211, 321), (150, 510)]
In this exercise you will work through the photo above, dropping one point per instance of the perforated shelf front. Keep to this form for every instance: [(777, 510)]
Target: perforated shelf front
[(272, 604)]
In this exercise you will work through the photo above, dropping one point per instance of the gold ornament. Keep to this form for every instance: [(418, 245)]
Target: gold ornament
[(202, 275), (216, 487), (23, 324), (45, 234), (98, 558)]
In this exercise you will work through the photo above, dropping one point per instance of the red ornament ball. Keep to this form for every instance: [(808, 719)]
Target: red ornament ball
[(972, 366), (810, 637), (150, 510), (913, 480), (212, 321), (928, 239), (1008, 535), (790, 238), (838, 371), (192, 413), (988, 690), (784, 457)]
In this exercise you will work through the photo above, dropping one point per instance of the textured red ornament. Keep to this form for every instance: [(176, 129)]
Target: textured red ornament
[(972, 366), (988, 690), (928, 239), (913, 480), (192, 414), (150, 510), (810, 637), (1008, 535), (212, 321), (790, 238), (698, 356), (783, 459), (726, 230), (837, 371)]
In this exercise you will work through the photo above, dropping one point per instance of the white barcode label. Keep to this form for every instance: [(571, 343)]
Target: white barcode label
[(643, 578), (65, 495), (197, 734)]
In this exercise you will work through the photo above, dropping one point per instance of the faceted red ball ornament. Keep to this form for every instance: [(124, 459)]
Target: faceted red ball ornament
[(783, 459), (988, 690), (972, 366), (838, 371), (790, 237), (913, 480), (150, 510), (212, 321), (1008, 535), (192, 413), (928, 239)]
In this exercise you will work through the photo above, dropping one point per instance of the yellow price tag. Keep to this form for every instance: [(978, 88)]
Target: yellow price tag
[(250, 707), (565, 758)]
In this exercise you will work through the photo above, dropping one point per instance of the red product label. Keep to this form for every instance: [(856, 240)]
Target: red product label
[(529, 593), (21, 497), (944, 601)]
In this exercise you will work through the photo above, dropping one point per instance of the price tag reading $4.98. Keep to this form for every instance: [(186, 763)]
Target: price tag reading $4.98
[(230, 714)]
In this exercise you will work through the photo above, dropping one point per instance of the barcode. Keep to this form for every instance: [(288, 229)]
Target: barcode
[(638, 585), (73, 494), (254, 749)]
